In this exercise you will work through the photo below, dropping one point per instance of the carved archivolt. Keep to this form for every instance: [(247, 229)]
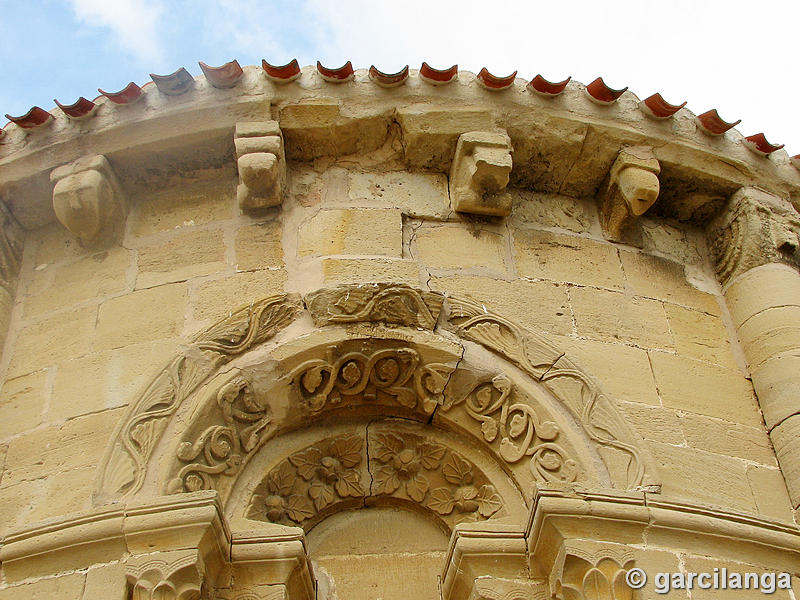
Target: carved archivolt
[(382, 467), (389, 377)]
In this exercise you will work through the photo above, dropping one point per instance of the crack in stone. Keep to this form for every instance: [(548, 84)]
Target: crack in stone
[(447, 383)]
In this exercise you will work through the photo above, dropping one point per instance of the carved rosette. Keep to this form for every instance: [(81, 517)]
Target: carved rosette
[(308, 485), (519, 430), (220, 449), (123, 469), (386, 303), (388, 376)]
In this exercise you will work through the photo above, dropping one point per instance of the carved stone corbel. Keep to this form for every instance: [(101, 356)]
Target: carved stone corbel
[(630, 189), (479, 174), (89, 201), (262, 164)]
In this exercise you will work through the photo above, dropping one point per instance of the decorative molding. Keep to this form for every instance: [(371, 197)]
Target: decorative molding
[(122, 471), (397, 375), (755, 228), (630, 189), (530, 352), (174, 575), (89, 201), (395, 304), (479, 174), (220, 448), (520, 431), (261, 161), (306, 486)]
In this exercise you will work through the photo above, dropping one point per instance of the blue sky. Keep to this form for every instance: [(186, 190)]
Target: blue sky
[(737, 56)]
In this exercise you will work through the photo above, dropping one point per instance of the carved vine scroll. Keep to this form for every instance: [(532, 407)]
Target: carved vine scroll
[(123, 469)]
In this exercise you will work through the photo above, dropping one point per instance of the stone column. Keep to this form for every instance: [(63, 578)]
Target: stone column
[(755, 245)]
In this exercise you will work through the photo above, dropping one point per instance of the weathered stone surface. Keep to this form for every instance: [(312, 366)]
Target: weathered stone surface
[(259, 246), (699, 335), (65, 586), (564, 258), (698, 387), (22, 402), (141, 316), (366, 231), (107, 581), (54, 244), (770, 333), (663, 279), (633, 383), (63, 493), (655, 423), (551, 210), (615, 317), (479, 174), (416, 194), (731, 439), (62, 286), (183, 256), (455, 247), (701, 564), (213, 300), (366, 270), (769, 489), (761, 288), (261, 163), (53, 339), (190, 201), (540, 305), (705, 477)]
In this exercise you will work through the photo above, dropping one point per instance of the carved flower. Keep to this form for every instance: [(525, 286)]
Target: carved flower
[(281, 502), (331, 472), (402, 465), (465, 498)]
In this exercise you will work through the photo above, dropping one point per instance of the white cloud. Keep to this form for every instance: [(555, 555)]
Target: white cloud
[(134, 24)]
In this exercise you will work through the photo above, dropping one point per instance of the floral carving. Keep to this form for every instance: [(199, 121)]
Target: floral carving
[(466, 498), (388, 303), (404, 466), (123, 468), (520, 430), (387, 375), (220, 449), (587, 575), (309, 481)]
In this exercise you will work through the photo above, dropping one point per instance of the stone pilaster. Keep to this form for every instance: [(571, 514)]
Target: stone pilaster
[(755, 245)]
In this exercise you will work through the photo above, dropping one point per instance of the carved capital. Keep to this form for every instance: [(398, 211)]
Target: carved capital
[(89, 201), (262, 164), (479, 174), (755, 228), (630, 189), (587, 569), (176, 575)]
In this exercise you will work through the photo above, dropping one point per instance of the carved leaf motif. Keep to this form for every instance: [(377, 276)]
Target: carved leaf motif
[(347, 449), (442, 501), (548, 431), (385, 480), (489, 428), (321, 494), (489, 502), (312, 379), (307, 462), (417, 487), (430, 455), (386, 446), (348, 484), (298, 508), (596, 586), (281, 480), (457, 471), (518, 425)]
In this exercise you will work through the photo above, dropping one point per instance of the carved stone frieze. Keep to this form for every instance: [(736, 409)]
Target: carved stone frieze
[(89, 201), (175, 575), (630, 189), (307, 485), (755, 228), (394, 375), (387, 303), (479, 174), (520, 431), (599, 417), (261, 162), (123, 468), (220, 448)]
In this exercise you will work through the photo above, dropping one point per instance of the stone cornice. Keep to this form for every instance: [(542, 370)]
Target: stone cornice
[(564, 144)]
